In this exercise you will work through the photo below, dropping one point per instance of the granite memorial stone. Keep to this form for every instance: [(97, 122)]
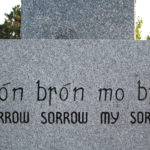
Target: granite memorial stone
[(77, 19), (74, 95)]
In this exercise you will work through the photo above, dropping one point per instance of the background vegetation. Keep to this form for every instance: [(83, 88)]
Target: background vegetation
[(10, 29)]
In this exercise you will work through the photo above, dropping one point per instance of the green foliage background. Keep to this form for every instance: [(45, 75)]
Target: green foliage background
[(138, 28), (12, 24)]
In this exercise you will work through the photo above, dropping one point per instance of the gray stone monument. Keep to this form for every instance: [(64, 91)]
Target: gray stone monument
[(74, 95), (77, 19)]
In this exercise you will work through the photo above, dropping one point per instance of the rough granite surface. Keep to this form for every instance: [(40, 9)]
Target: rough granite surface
[(87, 63), (77, 19)]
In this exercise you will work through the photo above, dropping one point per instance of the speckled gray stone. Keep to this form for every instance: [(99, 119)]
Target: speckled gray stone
[(82, 63), (77, 19)]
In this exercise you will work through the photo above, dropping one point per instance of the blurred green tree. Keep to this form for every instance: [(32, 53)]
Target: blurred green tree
[(138, 28), (148, 37), (11, 27)]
